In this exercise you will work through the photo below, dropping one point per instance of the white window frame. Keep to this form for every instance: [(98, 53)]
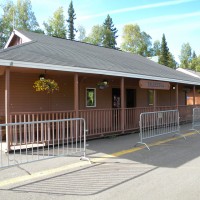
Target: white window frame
[(150, 92), (86, 98)]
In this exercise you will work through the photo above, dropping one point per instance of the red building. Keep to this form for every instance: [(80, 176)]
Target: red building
[(107, 87)]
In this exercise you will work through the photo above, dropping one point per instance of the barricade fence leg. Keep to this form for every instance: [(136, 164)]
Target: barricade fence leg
[(196, 120), (140, 135), (178, 132), (84, 157)]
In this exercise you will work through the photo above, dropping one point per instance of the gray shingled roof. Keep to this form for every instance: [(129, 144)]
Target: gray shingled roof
[(47, 50)]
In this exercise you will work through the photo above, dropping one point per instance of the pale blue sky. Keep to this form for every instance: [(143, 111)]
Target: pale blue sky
[(179, 20)]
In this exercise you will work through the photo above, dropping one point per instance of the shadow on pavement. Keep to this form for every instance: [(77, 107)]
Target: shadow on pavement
[(110, 172), (171, 154), (88, 181)]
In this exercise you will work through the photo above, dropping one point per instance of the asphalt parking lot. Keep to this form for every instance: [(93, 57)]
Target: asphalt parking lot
[(119, 170)]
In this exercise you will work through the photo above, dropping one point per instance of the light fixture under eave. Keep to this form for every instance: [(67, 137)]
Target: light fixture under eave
[(103, 84), (42, 77)]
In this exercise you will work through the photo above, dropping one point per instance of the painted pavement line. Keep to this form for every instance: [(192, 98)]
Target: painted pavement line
[(132, 150), (82, 163), (42, 173)]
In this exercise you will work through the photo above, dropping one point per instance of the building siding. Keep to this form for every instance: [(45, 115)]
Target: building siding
[(24, 98)]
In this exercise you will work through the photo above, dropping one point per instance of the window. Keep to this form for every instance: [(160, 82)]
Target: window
[(90, 97), (150, 97)]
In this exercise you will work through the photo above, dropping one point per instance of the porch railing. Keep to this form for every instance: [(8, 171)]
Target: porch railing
[(28, 117), (186, 113), (132, 116), (102, 121), (16, 117)]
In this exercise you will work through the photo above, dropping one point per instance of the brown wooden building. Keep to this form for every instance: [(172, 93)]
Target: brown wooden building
[(131, 84)]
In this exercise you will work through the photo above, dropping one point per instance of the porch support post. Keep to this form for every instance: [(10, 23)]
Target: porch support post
[(177, 95), (7, 105), (76, 95), (154, 99), (194, 95), (122, 104)]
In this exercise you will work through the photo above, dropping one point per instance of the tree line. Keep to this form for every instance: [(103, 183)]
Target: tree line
[(20, 16)]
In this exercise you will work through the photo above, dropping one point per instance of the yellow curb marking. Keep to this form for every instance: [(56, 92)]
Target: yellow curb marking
[(132, 150), (42, 173), (80, 164)]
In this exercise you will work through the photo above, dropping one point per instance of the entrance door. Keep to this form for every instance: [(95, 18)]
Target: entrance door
[(116, 104), (116, 101), (130, 98)]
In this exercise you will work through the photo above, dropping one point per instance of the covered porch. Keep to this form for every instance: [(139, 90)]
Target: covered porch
[(115, 109)]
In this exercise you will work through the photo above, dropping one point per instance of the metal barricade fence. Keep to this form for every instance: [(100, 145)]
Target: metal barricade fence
[(154, 124), (37, 140), (196, 119)]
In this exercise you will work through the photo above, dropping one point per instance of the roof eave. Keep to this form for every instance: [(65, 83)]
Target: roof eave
[(90, 71)]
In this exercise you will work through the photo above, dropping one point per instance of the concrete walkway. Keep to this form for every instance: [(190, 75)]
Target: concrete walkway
[(119, 170)]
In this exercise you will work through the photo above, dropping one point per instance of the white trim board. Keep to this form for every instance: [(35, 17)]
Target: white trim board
[(90, 71)]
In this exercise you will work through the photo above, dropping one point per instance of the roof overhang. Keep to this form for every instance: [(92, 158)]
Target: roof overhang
[(187, 72), (31, 65)]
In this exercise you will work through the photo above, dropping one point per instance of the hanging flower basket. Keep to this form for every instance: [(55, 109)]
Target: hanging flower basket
[(47, 85)]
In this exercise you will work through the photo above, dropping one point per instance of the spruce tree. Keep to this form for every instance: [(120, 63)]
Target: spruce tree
[(109, 34), (71, 30), (172, 62), (194, 55), (164, 52)]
